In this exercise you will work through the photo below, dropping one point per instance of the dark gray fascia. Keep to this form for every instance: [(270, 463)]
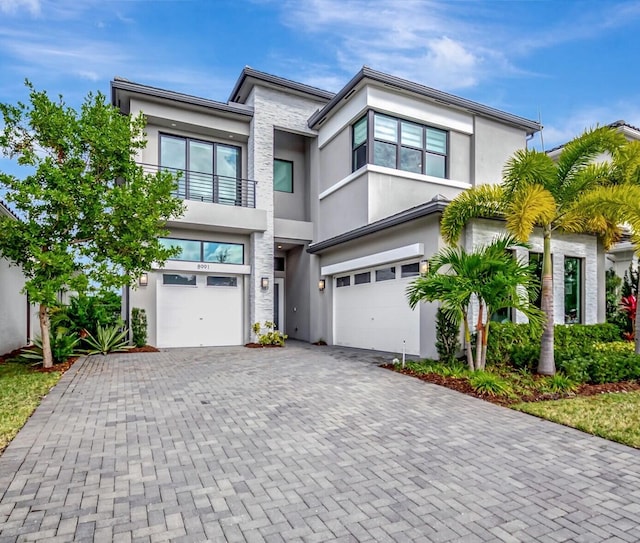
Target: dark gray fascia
[(128, 86), (279, 81), (4, 208), (428, 92), (437, 205)]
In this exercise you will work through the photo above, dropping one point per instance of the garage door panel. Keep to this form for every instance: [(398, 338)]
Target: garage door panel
[(192, 316), (376, 316)]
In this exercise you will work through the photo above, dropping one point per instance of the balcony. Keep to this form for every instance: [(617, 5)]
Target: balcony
[(210, 188)]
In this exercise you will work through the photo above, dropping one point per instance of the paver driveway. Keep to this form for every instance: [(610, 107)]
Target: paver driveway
[(302, 443)]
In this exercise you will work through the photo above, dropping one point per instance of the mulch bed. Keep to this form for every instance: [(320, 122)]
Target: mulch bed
[(260, 346), (462, 385), (145, 349)]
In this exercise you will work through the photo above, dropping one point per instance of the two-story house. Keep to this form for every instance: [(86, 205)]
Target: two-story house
[(315, 209)]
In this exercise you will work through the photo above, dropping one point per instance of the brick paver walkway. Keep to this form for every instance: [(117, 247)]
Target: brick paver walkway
[(300, 444)]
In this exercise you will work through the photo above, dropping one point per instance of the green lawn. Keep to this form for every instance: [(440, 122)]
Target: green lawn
[(21, 390), (613, 416)]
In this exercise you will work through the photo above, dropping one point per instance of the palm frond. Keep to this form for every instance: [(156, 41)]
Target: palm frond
[(484, 201), (527, 167), (584, 149), (588, 178), (626, 164), (530, 206)]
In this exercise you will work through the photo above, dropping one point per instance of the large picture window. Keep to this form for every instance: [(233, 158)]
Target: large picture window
[(572, 290), (399, 144), (206, 251), (209, 172)]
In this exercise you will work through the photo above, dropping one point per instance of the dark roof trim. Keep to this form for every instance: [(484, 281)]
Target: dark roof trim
[(124, 85), (4, 207), (436, 205), (427, 92), (248, 72)]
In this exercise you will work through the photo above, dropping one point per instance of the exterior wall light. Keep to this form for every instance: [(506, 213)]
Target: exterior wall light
[(264, 283), (143, 280), (321, 285), (424, 267)]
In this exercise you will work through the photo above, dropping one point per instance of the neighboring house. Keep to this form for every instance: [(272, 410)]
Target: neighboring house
[(14, 311), (315, 209)]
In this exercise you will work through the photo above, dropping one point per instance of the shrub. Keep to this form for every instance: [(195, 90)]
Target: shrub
[(139, 327), (63, 346), (447, 334), (559, 383), (489, 384), (504, 337), (601, 366), (88, 312), (583, 336), (268, 335), (111, 339)]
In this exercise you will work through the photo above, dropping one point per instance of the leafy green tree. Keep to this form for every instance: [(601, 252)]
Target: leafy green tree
[(539, 191), (89, 214), (491, 276)]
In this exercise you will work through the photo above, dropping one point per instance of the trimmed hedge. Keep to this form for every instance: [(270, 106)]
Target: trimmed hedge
[(590, 353)]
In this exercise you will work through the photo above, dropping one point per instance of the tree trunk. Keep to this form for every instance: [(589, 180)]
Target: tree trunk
[(637, 318), (547, 365), (479, 337), (47, 358), (485, 341), (467, 342)]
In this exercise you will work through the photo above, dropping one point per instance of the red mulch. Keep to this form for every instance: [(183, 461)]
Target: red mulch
[(260, 346), (462, 385), (145, 349)]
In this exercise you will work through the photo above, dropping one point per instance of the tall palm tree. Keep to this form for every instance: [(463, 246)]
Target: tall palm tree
[(538, 191), (490, 275)]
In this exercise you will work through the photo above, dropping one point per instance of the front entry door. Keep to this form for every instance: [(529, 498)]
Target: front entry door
[(278, 303)]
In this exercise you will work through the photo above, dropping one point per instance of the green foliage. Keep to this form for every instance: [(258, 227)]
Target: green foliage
[(85, 313), (609, 365), (139, 326), (583, 336), (447, 333), (506, 336), (268, 335), (613, 284), (491, 276), (63, 347), (558, 384), (110, 339), (89, 214), (489, 384), (446, 369)]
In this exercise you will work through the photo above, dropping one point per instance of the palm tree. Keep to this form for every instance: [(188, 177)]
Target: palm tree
[(621, 204), (490, 275), (538, 191)]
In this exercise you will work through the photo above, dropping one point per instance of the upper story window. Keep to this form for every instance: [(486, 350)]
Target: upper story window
[(400, 144), (210, 172), (206, 251), (282, 175)]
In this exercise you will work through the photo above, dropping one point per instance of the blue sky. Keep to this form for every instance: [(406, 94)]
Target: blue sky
[(573, 63)]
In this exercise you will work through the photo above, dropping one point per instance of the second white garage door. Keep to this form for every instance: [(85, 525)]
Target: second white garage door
[(371, 311), (196, 310)]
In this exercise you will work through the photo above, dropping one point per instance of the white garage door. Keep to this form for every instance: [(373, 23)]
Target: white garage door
[(199, 310), (371, 311)]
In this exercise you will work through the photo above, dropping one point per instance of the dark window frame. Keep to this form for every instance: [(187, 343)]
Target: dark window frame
[(202, 242), (214, 166), (346, 280), (284, 161), (391, 269), (234, 281), (192, 275), (370, 141), (579, 318), (404, 274), (366, 276)]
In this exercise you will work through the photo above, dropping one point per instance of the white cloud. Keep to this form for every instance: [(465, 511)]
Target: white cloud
[(14, 6), (576, 122)]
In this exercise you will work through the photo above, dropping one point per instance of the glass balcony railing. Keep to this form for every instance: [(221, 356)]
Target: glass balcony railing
[(209, 187)]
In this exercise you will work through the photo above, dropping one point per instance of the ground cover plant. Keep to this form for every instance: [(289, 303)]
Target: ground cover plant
[(614, 416), (21, 389)]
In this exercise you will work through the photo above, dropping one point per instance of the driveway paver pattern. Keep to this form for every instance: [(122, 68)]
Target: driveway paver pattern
[(300, 444)]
